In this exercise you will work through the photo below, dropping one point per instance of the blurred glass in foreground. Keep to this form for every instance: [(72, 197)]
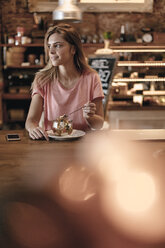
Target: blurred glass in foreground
[(132, 195)]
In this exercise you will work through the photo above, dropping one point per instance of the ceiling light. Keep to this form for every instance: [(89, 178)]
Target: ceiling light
[(68, 11)]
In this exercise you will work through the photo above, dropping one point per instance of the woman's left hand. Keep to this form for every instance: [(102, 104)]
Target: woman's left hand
[(89, 109)]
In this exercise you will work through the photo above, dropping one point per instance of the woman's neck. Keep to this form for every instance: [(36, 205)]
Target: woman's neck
[(68, 77)]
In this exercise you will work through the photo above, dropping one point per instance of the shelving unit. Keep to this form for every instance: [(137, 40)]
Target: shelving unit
[(138, 69), (17, 79), (151, 68)]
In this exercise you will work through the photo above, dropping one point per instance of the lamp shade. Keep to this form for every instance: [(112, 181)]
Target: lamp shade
[(67, 10)]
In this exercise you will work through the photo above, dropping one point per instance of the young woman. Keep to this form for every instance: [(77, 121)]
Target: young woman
[(65, 84)]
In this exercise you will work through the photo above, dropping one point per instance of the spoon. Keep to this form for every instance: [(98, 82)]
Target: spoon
[(72, 112)]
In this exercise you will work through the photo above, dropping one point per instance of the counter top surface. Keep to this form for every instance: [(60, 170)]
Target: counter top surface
[(124, 105), (27, 153), (30, 152), (32, 170), (31, 156), (27, 157)]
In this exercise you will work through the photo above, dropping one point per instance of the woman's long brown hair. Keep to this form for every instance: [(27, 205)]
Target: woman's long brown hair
[(49, 72)]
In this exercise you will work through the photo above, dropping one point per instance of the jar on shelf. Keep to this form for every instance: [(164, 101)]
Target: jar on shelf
[(20, 31), (17, 40), (31, 59), (11, 40)]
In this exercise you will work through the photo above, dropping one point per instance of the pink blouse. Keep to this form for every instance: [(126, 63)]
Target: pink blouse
[(59, 101)]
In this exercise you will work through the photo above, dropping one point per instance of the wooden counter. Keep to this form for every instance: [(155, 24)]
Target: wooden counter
[(28, 170), (27, 154), (125, 115), (124, 105)]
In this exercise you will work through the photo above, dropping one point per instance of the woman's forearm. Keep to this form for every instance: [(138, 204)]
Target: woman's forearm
[(31, 124), (95, 121)]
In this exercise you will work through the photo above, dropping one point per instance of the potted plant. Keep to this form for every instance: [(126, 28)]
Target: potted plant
[(107, 37)]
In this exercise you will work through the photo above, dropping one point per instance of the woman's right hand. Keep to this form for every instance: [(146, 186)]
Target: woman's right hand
[(37, 133)]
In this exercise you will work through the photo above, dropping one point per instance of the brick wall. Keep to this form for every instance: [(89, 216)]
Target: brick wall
[(15, 13)]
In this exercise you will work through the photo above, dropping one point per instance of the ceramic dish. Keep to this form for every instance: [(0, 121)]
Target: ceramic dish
[(74, 135)]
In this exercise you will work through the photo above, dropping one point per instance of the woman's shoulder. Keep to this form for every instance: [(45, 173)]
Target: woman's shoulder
[(91, 74), (42, 80)]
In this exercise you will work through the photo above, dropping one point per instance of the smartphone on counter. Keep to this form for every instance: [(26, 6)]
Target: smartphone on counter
[(13, 137)]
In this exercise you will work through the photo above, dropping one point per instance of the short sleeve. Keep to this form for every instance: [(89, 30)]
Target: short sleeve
[(39, 91), (98, 90)]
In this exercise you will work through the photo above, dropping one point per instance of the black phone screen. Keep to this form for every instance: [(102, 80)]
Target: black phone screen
[(13, 137)]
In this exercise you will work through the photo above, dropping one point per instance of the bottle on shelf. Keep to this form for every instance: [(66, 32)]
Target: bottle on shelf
[(19, 35), (122, 34), (5, 37)]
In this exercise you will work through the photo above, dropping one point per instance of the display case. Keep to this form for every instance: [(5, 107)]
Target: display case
[(137, 97)]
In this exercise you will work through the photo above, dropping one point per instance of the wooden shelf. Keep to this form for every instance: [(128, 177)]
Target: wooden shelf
[(25, 45), (99, 45), (16, 121), (41, 45), (125, 45), (154, 93), (134, 45), (141, 64), (18, 96), (23, 67), (139, 79), (139, 48)]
